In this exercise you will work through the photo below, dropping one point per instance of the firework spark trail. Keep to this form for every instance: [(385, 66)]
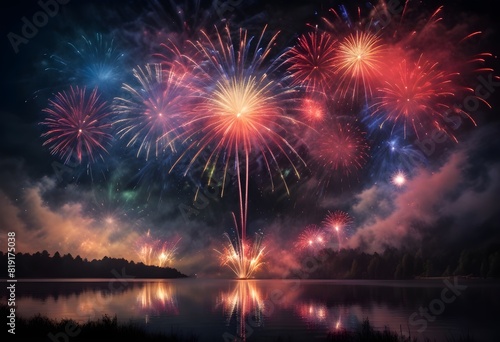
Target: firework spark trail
[(181, 59), (150, 116), (241, 113), (77, 124)]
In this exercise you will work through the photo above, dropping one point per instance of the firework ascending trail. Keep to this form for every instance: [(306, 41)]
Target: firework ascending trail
[(78, 125), (241, 113)]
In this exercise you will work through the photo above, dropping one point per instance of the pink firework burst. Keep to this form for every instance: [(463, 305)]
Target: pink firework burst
[(337, 221), (149, 116), (417, 95), (313, 109), (77, 125), (339, 151), (313, 238)]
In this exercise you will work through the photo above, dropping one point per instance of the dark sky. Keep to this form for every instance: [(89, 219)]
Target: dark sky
[(106, 208)]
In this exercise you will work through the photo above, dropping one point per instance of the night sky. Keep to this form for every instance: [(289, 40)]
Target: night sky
[(114, 200)]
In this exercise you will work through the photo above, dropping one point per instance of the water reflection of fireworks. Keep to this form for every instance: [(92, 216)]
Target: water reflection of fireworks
[(243, 302), (158, 298), (334, 319)]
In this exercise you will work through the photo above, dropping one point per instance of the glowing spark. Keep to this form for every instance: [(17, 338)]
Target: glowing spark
[(399, 179)]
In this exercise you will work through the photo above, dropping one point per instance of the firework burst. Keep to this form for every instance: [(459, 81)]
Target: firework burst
[(338, 223), (148, 118), (242, 256), (312, 238), (313, 109), (311, 63), (360, 63), (417, 96), (155, 251), (77, 125), (339, 151), (91, 61), (240, 114)]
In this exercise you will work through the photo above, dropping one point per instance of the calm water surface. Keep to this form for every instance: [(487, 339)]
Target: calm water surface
[(261, 310)]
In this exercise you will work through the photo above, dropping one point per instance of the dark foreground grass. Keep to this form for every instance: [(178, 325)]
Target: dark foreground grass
[(367, 333), (40, 328)]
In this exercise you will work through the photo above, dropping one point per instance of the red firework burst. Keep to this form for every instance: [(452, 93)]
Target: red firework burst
[(313, 237), (313, 109), (77, 124), (312, 61), (337, 221), (417, 95), (340, 150)]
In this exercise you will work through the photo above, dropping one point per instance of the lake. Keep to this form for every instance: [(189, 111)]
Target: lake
[(262, 310)]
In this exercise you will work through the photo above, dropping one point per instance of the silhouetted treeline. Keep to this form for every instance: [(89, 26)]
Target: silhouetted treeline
[(42, 265), (401, 264)]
